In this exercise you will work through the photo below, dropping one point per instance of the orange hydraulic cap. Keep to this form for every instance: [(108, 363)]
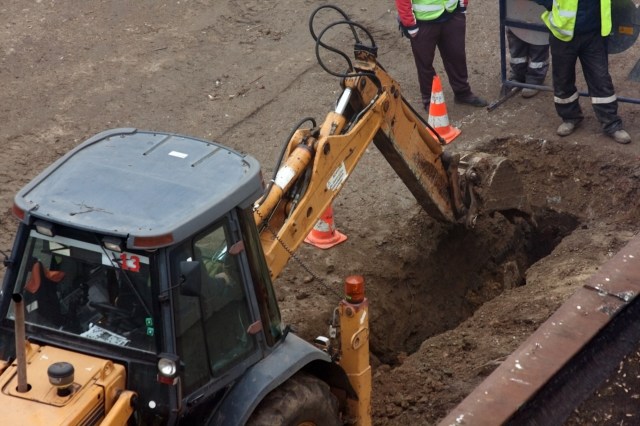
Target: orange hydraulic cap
[(324, 234), (354, 289), (438, 117)]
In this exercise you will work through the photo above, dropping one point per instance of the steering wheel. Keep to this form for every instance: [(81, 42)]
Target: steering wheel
[(109, 310)]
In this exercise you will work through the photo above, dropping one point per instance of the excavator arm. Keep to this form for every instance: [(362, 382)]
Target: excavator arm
[(320, 160), (451, 187)]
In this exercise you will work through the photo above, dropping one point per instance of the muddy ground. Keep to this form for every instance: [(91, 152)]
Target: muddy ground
[(447, 304)]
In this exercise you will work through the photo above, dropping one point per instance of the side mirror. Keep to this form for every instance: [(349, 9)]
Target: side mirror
[(191, 278)]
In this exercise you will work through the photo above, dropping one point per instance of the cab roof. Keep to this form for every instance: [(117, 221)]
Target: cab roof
[(133, 183)]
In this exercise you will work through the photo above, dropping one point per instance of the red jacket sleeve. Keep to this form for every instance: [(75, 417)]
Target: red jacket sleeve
[(405, 13)]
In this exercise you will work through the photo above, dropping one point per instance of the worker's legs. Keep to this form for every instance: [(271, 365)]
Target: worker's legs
[(451, 46), (423, 46), (538, 64), (518, 52), (595, 66), (565, 94)]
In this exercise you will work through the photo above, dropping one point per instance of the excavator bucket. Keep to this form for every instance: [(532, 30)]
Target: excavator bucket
[(492, 184)]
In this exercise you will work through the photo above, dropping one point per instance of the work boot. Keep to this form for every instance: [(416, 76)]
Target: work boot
[(529, 93), (566, 128), (472, 100), (620, 136)]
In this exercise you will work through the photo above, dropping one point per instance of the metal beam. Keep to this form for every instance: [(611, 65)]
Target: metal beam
[(565, 360)]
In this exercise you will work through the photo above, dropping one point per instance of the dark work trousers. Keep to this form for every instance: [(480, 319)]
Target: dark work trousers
[(591, 50), (449, 37), (529, 62)]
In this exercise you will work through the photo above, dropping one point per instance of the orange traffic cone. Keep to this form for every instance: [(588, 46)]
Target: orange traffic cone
[(324, 234), (438, 117)]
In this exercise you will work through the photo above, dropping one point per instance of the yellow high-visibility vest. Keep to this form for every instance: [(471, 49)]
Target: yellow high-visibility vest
[(561, 20), (428, 10)]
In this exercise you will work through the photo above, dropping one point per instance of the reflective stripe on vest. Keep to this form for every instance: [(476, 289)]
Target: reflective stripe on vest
[(428, 10), (561, 20)]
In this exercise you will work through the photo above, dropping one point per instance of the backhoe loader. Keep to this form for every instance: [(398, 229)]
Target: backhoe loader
[(139, 286)]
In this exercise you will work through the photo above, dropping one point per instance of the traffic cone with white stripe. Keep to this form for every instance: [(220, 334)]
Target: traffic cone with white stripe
[(324, 234), (438, 117)]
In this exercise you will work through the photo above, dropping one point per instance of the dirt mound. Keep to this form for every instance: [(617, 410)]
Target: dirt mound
[(578, 233)]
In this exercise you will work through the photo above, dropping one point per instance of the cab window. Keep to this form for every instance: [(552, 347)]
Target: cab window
[(81, 288), (212, 324)]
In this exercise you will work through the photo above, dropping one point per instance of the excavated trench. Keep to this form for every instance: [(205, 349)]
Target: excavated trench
[(440, 275), (466, 270)]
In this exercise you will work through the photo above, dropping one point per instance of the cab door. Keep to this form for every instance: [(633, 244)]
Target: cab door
[(215, 321)]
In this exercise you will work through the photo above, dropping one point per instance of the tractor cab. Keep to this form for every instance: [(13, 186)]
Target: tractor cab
[(141, 248)]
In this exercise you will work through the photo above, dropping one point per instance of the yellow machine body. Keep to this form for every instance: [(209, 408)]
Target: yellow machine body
[(97, 385)]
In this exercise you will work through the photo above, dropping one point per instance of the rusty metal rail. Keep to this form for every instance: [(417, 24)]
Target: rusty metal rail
[(565, 360)]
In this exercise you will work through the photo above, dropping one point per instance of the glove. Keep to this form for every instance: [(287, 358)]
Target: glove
[(408, 32)]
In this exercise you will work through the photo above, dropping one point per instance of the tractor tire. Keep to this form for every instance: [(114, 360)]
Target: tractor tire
[(303, 400)]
